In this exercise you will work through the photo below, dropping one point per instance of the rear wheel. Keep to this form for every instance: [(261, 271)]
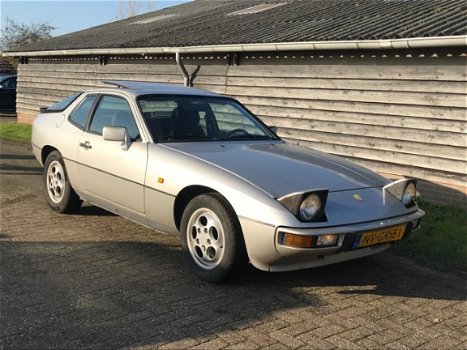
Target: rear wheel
[(60, 195), (211, 237)]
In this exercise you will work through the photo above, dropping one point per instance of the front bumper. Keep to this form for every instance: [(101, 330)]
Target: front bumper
[(266, 253)]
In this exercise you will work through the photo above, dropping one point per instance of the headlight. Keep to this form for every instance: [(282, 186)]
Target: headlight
[(307, 206), (310, 207), (409, 194), (404, 190)]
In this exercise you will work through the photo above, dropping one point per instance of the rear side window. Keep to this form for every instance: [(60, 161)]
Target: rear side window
[(61, 105), (80, 115)]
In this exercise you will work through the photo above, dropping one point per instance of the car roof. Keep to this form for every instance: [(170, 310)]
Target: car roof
[(138, 88), (5, 76)]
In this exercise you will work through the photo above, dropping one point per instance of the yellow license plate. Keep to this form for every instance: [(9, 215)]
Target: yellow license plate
[(387, 234)]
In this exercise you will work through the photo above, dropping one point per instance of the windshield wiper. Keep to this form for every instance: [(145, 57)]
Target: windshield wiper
[(247, 137), (188, 138)]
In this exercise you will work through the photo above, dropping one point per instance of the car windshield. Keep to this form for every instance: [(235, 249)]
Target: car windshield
[(198, 118)]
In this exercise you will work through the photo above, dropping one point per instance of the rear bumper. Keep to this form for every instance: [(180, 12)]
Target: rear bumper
[(266, 252)]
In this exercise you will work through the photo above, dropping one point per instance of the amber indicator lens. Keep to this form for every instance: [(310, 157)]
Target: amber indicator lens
[(297, 241)]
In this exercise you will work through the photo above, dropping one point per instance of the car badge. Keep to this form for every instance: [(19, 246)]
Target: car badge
[(358, 197)]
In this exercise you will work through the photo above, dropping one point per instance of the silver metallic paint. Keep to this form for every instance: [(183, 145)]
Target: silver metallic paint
[(279, 168), (250, 175)]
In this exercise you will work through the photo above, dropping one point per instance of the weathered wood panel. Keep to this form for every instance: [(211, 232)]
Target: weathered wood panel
[(41, 84), (392, 115), (352, 84), (378, 154), (412, 98), (368, 142), (448, 113), (357, 130), (400, 69), (402, 116), (363, 118)]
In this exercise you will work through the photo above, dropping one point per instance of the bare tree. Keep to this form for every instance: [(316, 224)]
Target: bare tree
[(130, 8), (16, 34)]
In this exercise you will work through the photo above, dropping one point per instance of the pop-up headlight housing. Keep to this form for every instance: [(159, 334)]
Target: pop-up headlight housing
[(404, 190), (306, 206)]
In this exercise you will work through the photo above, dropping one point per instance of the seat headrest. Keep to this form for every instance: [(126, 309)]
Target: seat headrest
[(186, 115)]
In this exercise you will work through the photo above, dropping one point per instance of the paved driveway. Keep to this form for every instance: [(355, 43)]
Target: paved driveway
[(97, 280)]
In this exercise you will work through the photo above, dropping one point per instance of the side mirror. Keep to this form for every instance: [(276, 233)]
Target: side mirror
[(117, 133), (273, 129)]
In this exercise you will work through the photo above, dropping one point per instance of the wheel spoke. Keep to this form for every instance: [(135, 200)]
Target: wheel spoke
[(56, 181), (205, 238)]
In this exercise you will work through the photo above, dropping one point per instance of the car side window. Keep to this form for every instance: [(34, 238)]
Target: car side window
[(114, 111), (80, 115)]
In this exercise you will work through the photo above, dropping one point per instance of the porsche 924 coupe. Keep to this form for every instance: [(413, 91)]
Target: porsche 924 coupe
[(190, 162)]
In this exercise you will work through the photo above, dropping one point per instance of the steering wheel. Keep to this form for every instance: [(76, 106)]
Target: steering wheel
[(240, 132)]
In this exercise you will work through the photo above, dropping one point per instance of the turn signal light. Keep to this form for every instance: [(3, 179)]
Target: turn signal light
[(301, 241), (297, 241)]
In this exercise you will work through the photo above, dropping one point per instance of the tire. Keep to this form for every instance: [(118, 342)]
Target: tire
[(59, 194), (212, 240)]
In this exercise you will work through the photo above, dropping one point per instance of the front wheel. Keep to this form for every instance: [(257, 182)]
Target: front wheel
[(59, 194), (211, 237)]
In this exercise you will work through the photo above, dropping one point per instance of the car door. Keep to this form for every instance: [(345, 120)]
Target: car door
[(106, 170), (8, 94)]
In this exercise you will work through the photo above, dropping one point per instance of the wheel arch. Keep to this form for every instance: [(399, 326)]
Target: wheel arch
[(46, 150), (186, 195)]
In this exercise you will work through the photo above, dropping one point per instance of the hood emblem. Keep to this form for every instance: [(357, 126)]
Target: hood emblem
[(358, 197)]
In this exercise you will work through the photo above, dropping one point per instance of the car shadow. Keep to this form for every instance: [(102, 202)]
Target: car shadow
[(112, 294), (6, 169), (15, 156), (14, 164), (91, 210)]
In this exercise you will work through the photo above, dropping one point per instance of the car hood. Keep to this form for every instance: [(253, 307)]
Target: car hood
[(280, 169)]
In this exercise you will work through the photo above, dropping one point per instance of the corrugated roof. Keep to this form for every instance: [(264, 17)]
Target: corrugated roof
[(224, 22), (6, 68)]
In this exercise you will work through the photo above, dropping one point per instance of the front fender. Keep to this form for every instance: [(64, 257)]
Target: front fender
[(170, 171)]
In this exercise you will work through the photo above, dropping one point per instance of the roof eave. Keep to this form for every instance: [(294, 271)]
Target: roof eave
[(408, 43)]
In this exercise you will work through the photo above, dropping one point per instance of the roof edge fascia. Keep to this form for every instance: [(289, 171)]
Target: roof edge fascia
[(409, 43)]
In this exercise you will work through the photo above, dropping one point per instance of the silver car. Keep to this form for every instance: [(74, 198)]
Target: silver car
[(190, 162)]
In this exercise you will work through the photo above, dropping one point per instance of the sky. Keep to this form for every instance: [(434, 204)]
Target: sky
[(68, 15)]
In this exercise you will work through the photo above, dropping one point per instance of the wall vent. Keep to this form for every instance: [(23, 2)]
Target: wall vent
[(256, 9)]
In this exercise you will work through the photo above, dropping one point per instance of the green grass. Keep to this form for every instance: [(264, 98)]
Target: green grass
[(16, 132), (441, 242)]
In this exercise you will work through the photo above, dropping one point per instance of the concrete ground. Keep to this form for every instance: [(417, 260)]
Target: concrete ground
[(95, 280)]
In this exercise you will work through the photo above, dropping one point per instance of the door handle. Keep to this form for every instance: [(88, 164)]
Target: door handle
[(85, 145)]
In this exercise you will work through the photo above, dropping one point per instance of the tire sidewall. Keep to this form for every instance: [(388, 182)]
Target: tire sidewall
[(233, 255), (63, 204)]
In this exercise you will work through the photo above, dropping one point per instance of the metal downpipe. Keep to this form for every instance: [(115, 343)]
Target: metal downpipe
[(186, 76)]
